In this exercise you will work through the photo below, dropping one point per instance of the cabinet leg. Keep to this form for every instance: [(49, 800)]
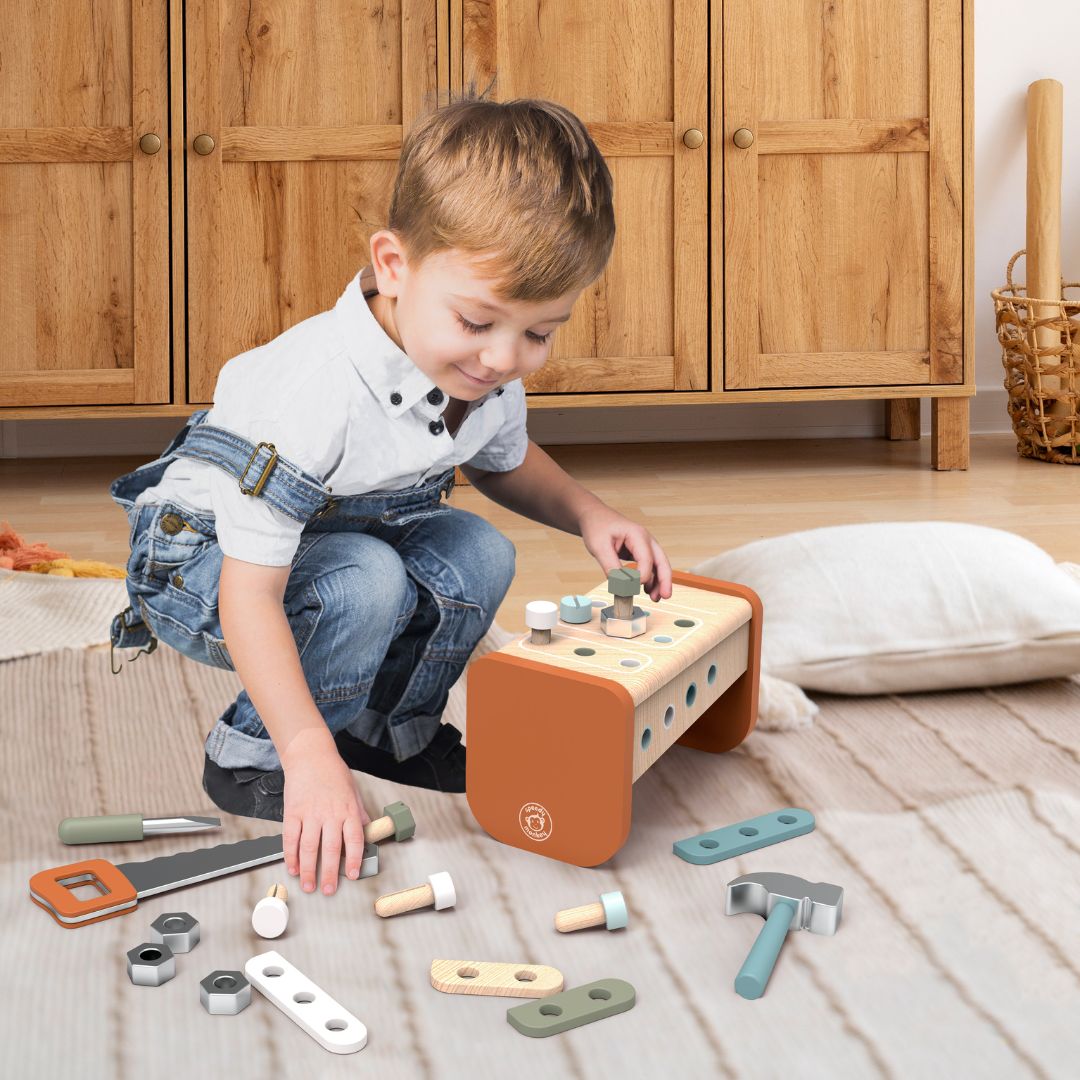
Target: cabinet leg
[(950, 432), (902, 418)]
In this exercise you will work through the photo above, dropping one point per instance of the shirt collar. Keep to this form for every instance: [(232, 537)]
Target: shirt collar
[(393, 378)]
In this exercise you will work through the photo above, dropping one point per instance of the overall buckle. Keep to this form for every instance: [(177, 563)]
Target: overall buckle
[(267, 469)]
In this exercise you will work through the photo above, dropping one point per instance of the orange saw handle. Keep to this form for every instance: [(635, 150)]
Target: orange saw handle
[(52, 890)]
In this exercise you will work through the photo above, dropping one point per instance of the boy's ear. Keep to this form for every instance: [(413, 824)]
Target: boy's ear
[(388, 262)]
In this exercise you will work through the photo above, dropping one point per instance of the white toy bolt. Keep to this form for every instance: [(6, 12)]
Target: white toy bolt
[(541, 617), (439, 893), (610, 912), (271, 914)]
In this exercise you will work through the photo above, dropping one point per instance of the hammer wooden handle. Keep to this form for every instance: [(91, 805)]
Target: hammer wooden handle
[(579, 918), (419, 896)]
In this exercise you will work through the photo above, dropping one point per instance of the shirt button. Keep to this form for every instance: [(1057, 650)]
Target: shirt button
[(395, 398), (499, 391), (436, 427), (435, 396)]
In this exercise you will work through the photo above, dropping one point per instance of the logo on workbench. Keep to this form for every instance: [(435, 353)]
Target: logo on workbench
[(535, 821)]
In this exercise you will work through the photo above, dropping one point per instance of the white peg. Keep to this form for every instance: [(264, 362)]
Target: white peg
[(541, 616)]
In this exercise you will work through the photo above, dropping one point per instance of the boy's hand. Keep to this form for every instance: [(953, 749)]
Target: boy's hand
[(322, 806), (610, 537)]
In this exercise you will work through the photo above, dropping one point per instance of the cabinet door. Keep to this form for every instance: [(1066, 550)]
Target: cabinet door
[(303, 106), (84, 210), (843, 218), (636, 74)]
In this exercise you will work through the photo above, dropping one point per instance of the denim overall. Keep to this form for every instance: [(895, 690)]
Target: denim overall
[(387, 595)]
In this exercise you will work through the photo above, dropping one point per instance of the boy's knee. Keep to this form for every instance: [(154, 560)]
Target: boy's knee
[(371, 580)]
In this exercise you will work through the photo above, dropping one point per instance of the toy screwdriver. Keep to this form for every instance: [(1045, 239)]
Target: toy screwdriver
[(119, 827)]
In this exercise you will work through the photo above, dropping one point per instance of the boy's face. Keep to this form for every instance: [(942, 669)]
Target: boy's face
[(447, 320)]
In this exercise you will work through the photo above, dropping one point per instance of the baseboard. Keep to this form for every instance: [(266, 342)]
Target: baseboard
[(550, 427)]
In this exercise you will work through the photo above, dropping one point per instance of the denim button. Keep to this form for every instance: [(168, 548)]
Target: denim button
[(436, 427), (435, 396), (388, 515), (395, 398), (178, 580), (171, 524)]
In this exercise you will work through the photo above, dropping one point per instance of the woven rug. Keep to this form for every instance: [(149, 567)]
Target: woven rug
[(951, 820), (39, 612)]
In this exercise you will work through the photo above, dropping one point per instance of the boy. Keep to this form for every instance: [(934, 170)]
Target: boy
[(295, 533)]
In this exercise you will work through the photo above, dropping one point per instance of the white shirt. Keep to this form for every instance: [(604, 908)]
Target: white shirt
[(340, 400)]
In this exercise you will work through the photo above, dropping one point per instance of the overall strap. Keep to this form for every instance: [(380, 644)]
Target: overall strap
[(258, 468)]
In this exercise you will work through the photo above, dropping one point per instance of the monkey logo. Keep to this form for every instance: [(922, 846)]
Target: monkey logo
[(535, 821)]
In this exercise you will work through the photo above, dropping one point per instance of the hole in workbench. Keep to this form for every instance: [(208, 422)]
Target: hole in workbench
[(304, 997), (630, 663), (646, 738), (599, 603), (525, 976), (711, 677), (467, 972), (685, 622), (669, 716), (583, 651), (598, 993), (662, 638), (691, 694), (550, 1010), (787, 819), (336, 1025)]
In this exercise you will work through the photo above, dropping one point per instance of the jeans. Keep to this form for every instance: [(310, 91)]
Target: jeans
[(387, 596)]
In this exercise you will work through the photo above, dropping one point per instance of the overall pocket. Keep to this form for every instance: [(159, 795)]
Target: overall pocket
[(174, 538)]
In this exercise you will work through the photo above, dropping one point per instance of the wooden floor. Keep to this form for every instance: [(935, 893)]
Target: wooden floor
[(697, 498)]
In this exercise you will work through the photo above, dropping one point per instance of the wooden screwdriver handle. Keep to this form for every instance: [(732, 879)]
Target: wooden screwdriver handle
[(580, 918), (419, 896)]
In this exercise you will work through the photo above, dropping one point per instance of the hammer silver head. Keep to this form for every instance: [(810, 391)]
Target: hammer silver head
[(817, 904)]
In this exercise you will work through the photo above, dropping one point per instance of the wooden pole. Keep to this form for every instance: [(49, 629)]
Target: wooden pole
[(1044, 125)]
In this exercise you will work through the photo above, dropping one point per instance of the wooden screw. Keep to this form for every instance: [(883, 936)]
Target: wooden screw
[(439, 893), (397, 821), (541, 617), (271, 914), (610, 912)]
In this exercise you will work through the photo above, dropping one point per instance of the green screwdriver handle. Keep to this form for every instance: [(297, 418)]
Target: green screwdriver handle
[(101, 830)]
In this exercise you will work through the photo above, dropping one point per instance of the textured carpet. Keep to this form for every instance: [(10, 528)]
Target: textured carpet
[(951, 820)]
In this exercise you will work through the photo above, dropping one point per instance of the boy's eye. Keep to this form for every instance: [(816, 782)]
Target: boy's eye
[(472, 328)]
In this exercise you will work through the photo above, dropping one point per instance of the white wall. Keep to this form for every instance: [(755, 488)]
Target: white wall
[(1011, 51)]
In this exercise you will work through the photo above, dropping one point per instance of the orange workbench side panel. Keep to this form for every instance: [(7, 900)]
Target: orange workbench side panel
[(732, 717), (550, 760)]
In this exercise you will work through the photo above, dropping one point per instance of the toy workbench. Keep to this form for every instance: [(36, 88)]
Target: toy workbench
[(563, 719)]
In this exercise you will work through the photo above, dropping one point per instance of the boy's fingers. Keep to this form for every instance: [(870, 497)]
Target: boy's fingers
[(643, 556), (354, 846), (289, 839), (331, 855), (663, 571), (309, 854)]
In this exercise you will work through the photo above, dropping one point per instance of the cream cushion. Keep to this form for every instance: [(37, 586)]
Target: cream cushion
[(890, 607)]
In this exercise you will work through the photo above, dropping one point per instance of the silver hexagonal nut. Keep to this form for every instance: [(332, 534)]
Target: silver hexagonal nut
[(177, 929), (151, 964), (225, 993), (624, 628)]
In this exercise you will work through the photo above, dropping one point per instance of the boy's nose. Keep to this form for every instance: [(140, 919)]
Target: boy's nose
[(499, 361)]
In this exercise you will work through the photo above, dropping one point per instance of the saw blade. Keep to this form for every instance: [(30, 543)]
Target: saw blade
[(188, 867)]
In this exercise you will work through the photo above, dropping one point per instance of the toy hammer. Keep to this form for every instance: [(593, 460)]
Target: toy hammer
[(786, 902)]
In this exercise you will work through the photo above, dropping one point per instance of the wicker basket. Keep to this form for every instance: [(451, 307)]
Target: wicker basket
[(1046, 419)]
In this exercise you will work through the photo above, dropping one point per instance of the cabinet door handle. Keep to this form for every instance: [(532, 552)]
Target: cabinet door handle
[(150, 143), (743, 138), (202, 144), (693, 138)]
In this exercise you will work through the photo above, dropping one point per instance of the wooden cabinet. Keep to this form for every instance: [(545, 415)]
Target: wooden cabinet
[(636, 72), (84, 203), (828, 256)]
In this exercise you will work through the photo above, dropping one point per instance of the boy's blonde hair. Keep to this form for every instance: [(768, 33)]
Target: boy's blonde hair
[(518, 184)]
